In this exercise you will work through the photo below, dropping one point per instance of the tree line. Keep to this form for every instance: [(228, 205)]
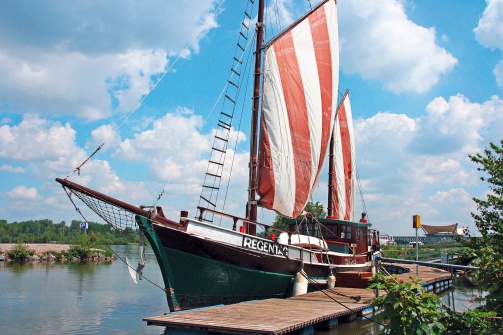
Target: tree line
[(46, 231)]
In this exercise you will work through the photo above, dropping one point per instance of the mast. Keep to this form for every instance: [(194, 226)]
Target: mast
[(251, 208), (341, 174), (330, 207)]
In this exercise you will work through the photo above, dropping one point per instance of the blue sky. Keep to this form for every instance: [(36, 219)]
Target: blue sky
[(425, 79)]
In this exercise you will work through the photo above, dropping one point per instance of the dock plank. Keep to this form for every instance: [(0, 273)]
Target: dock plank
[(280, 316)]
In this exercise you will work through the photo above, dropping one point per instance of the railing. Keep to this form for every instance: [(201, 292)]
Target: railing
[(447, 267), (235, 220)]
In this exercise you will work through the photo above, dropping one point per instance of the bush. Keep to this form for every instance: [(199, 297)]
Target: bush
[(407, 308), (81, 247), (19, 252)]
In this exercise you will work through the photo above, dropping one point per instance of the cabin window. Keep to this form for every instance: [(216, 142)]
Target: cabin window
[(309, 229), (364, 234), (358, 234), (345, 232), (331, 231)]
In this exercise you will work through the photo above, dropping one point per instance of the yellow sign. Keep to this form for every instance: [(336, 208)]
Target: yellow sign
[(416, 221)]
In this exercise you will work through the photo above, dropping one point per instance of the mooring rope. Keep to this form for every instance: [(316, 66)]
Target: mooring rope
[(356, 298)]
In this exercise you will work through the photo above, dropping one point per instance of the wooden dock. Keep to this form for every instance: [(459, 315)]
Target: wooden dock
[(433, 278), (322, 309)]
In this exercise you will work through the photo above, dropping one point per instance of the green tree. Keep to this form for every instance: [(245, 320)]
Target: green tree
[(314, 208), (488, 251)]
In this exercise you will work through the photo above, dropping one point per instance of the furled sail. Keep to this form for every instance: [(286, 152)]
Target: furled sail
[(300, 85), (344, 174)]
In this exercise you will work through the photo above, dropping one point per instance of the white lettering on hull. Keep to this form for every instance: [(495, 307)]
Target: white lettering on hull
[(265, 246)]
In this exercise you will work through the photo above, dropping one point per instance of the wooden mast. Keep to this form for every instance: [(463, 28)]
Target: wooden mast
[(331, 164), (251, 208), (330, 207)]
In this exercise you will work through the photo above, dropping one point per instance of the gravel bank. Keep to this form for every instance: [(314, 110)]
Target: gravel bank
[(38, 247)]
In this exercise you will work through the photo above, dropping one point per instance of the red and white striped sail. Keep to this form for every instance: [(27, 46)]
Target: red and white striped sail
[(344, 174), (301, 75)]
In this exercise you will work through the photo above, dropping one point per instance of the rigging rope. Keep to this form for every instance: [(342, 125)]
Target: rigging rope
[(238, 129), (69, 193)]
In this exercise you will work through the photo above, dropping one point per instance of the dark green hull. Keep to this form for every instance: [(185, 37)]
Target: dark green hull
[(193, 281), (202, 282)]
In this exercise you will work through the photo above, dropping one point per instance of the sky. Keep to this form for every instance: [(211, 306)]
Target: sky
[(425, 78)]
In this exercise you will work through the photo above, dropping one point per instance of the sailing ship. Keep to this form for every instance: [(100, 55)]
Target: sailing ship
[(296, 89)]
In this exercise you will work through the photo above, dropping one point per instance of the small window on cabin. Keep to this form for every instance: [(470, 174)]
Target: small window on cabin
[(345, 232), (358, 234), (331, 231)]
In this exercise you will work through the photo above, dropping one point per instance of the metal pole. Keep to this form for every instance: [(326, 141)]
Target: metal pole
[(417, 254)]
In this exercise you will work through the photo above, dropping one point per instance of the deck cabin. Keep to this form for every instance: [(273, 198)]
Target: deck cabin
[(354, 239)]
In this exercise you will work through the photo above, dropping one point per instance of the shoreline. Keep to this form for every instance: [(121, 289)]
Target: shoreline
[(38, 247), (52, 252)]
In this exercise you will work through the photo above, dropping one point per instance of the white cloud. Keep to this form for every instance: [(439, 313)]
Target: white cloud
[(457, 124), (379, 42), (421, 166), (107, 135), (489, 32), (22, 192), (36, 139), (90, 58), (452, 196), (170, 147), (11, 169)]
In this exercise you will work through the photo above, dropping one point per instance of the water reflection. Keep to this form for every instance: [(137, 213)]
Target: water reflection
[(92, 297)]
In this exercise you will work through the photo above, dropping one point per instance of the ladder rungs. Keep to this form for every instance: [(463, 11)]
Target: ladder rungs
[(228, 97), (213, 175), (235, 72), (212, 187), (224, 125), (221, 164), (207, 201), (222, 151)]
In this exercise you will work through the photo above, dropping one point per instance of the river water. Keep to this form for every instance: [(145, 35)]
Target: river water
[(100, 298)]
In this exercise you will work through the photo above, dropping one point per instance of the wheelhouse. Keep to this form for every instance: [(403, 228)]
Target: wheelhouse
[(340, 235)]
